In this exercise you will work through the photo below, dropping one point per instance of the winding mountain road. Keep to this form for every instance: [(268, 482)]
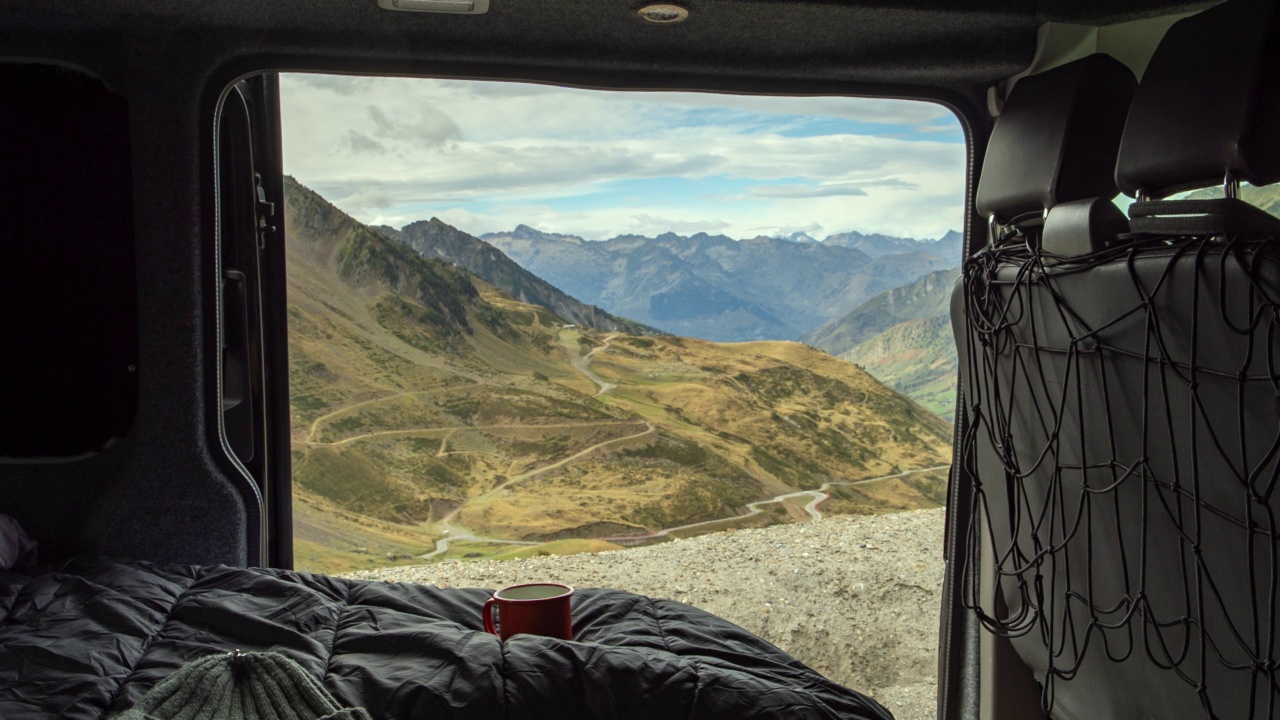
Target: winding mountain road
[(455, 533), (649, 430), (463, 428), (755, 508), (581, 362), (459, 534), (583, 365)]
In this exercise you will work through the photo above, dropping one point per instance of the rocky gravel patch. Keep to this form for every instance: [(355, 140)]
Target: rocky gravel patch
[(856, 599)]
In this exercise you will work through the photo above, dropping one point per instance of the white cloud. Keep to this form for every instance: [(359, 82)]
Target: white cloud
[(366, 199), (427, 128), (357, 143), (806, 191), (812, 229), (657, 225), (488, 156)]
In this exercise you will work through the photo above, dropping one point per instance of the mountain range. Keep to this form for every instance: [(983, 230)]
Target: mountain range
[(434, 238), (718, 288), (949, 246), (902, 337), (432, 409)]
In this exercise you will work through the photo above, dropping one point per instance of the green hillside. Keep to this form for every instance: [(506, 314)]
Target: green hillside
[(903, 338), (426, 404), (925, 298), (917, 358), (1267, 198)]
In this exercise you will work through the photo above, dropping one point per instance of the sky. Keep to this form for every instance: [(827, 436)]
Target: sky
[(488, 156)]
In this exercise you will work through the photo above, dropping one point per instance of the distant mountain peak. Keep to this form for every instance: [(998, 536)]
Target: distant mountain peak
[(878, 245), (927, 297), (703, 237), (533, 235), (438, 239), (433, 222), (714, 287)]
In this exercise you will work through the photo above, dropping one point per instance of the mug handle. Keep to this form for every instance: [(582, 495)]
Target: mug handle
[(488, 616)]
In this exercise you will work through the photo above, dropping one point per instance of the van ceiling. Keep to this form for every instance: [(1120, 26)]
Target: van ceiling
[(954, 46)]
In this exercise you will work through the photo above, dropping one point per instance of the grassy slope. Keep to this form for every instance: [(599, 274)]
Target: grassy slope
[(902, 337), (418, 389), (917, 358), (927, 297)]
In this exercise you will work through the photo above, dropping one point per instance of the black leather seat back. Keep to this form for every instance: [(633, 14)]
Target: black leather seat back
[(1123, 416)]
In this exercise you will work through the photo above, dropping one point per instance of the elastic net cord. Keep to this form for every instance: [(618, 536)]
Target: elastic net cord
[(1122, 441)]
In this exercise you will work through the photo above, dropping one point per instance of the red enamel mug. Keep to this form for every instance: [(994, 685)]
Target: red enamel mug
[(531, 608)]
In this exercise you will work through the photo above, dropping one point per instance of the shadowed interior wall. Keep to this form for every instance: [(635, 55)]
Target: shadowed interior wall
[(101, 429)]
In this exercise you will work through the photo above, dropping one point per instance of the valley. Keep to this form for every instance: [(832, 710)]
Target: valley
[(428, 404)]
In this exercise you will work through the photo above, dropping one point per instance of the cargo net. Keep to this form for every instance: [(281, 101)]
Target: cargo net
[(1123, 426)]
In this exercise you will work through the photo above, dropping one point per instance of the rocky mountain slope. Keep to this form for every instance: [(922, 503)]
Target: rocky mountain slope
[(903, 337), (917, 358), (427, 405), (930, 296), (434, 238), (712, 286)]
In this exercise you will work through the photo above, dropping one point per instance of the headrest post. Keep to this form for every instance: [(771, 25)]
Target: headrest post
[(993, 230), (1231, 185)]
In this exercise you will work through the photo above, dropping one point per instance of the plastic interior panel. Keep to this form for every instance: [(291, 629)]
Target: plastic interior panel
[(155, 492)]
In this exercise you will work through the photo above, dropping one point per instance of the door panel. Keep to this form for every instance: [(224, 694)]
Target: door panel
[(253, 361)]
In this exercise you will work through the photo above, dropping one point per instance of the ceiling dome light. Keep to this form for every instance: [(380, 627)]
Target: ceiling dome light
[(663, 14)]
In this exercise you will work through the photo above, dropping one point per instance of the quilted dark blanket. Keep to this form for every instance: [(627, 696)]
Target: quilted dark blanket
[(89, 638)]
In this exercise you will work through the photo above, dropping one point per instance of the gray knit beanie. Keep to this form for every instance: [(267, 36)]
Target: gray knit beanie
[(241, 686)]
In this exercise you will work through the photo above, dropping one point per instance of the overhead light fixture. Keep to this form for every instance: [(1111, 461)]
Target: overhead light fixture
[(454, 7), (664, 14)]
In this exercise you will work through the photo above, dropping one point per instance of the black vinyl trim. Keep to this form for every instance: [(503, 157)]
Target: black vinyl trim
[(211, 231), (958, 666), (275, 311)]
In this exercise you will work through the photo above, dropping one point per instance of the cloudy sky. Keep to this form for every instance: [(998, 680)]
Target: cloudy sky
[(487, 156)]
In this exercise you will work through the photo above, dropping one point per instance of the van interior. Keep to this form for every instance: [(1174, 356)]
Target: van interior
[(1112, 548)]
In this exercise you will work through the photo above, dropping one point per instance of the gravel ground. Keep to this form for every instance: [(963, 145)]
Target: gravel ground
[(854, 598)]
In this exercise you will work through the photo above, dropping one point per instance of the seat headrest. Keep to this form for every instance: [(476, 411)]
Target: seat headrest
[(1209, 104), (1056, 139)]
